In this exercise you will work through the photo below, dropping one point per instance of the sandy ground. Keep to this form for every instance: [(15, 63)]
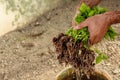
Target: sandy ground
[(28, 53)]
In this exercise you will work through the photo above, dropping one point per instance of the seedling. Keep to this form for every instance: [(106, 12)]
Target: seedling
[(83, 34), (73, 47)]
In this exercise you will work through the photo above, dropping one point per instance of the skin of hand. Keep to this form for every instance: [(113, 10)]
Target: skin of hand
[(97, 26), (90, 3)]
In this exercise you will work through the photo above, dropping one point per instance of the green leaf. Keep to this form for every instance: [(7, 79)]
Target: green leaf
[(104, 57), (91, 13), (98, 59), (101, 56), (84, 8), (79, 19), (111, 34), (101, 10)]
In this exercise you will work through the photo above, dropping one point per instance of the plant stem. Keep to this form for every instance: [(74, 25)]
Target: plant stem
[(78, 74)]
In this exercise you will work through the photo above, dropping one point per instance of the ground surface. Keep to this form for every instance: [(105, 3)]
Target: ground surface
[(28, 53)]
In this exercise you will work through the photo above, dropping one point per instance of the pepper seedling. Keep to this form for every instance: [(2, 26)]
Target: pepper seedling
[(83, 34)]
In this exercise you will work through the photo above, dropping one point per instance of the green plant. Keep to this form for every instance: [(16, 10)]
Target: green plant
[(83, 34)]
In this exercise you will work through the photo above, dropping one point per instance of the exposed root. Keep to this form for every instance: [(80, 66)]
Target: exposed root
[(75, 54)]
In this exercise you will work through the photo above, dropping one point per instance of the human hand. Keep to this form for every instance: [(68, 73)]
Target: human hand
[(97, 26), (90, 3)]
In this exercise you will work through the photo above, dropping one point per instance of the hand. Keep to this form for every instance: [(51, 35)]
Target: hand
[(97, 27), (91, 3)]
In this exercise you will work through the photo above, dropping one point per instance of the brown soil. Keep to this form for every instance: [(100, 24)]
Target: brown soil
[(68, 52), (28, 53)]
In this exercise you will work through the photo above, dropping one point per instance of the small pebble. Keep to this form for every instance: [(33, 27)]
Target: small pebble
[(108, 64), (116, 71)]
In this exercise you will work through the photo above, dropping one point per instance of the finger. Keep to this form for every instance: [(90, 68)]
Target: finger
[(81, 25), (73, 23), (98, 38), (93, 36), (92, 40)]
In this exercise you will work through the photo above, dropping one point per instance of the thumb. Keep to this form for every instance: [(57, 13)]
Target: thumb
[(80, 26)]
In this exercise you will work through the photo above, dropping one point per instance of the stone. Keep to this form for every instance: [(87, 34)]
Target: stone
[(116, 71)]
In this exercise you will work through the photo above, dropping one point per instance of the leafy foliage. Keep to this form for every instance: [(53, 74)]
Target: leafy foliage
[(83, 34), (86, 11), (101, 56), (79, 35), (111, 34)]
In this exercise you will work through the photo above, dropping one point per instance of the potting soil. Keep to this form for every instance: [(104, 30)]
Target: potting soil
[(74, 54)]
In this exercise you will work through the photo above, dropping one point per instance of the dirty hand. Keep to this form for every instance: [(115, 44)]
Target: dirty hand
[(97, 27), (91, 3)]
